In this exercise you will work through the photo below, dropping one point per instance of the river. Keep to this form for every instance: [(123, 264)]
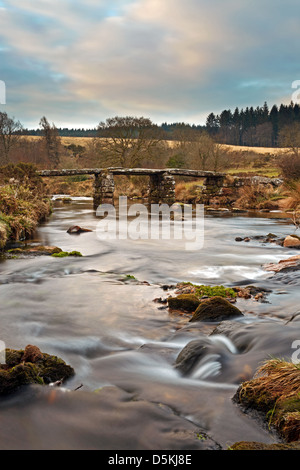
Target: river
[(126, 393)]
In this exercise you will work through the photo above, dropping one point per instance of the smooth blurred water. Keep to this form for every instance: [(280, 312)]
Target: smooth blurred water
[(123, 345)]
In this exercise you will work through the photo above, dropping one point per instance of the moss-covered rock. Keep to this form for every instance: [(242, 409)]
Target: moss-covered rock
[(215, 309), (31, 366), (205, 291), (184, 302), (35, 250)]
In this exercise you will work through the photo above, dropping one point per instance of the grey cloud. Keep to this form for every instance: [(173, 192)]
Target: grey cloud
[(169, 60)]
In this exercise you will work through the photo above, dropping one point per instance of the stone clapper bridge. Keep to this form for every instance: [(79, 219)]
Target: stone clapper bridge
[(161, 182)]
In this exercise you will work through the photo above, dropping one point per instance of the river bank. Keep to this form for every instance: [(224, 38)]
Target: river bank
[(24, 203)]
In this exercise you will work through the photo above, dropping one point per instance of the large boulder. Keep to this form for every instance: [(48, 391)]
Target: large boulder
[(215, 309)]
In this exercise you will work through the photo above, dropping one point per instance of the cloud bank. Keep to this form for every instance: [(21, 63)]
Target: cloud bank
[(78, 62)]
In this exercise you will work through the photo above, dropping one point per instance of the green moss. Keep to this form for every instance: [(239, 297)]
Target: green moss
[(64, 254), (74, 253), (211, 291), (219, 291)]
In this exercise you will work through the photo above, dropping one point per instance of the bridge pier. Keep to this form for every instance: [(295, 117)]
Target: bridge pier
[(212, 187), (104, 187), (161, 188)]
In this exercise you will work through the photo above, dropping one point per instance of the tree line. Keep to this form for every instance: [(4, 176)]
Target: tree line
[(129, 141), (254, 127), (259, 127)]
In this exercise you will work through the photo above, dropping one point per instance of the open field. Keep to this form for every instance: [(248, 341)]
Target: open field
[(234, 148), (66, 140), (259, 150)]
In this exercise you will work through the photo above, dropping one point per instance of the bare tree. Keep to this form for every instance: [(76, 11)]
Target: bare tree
[(52, 141), (289, 138), (126, 141), (289, 159), (202, 150), (9, 136)]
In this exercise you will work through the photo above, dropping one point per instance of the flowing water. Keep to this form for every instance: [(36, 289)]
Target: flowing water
[(123, 345)]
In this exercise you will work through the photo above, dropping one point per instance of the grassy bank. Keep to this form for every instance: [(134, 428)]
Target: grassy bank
[(23, 203), (274, 392)]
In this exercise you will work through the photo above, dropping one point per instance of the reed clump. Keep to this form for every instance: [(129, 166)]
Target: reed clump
[(275, 391)]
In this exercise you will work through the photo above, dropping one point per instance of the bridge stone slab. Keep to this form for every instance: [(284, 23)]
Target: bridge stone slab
[(161, 181)]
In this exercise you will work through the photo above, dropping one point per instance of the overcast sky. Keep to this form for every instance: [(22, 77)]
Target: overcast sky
[(79, 62)]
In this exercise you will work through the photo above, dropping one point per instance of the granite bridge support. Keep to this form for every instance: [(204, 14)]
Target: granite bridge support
[(161, 182)]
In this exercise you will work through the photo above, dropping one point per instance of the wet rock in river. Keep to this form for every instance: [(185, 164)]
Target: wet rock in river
[(215, 309), (75, 229), (292, 262), (31, 366), (252, 292), (226, 328), (269, 238), (184, 302), (191, 354), (292, 241)]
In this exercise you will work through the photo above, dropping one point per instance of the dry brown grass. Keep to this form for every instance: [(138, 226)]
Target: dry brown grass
[(172, 143), (275, 389), (62, 185), (280, 378), (293, 190), (258, 196)]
